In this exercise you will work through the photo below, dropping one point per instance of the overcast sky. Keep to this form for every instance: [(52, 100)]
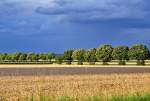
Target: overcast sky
[(57, 25)]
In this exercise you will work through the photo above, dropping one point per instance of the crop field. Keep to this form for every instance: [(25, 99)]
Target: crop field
[(42, 71), (74, 87)]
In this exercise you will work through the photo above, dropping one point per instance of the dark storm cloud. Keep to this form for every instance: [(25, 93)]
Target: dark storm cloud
[(94, 10), (56, 25)]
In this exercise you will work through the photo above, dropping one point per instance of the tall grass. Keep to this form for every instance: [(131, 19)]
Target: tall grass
[(145, 97)]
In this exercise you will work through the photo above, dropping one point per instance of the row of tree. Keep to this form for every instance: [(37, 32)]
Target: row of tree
[(104, 53), (18, 56)]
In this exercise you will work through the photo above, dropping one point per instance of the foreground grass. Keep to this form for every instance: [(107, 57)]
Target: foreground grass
[(145, 97), (77, 87)]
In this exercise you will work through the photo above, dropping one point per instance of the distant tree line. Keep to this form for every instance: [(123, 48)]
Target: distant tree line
[(26, 57), (104, 53)]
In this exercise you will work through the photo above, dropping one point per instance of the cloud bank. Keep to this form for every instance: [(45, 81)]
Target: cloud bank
[(96, 10), (44, 25)]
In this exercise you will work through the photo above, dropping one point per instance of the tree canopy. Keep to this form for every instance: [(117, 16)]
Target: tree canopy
[(78, 54), (90, 55), (138, 52), (120, 53), (104, 53)]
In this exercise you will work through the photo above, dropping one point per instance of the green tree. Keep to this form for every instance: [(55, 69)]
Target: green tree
[(35, 57), (50, 56), (138, 52), (30, 57), (104, 53), (43, 57), (3, 56), (15, 56), (90, 55), (120, 53), (59, 59), (79, 56), (22, 57), (8, 57), (68, 56)]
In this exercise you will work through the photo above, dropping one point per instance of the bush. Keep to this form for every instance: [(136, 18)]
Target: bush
[(122, 63), (50, 62), (68, 56), (80, 63), (91, 63), (140, 62), (105, 63), (59, 59), (68, 62)]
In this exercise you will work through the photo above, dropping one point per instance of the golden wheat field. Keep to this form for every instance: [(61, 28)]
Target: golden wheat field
[(12, 87)]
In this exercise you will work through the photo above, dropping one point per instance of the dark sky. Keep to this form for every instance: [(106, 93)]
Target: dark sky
[(57, 25)]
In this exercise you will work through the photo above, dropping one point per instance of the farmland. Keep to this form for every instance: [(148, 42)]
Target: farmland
[(105, 73), (74, 50), (13, 88)]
